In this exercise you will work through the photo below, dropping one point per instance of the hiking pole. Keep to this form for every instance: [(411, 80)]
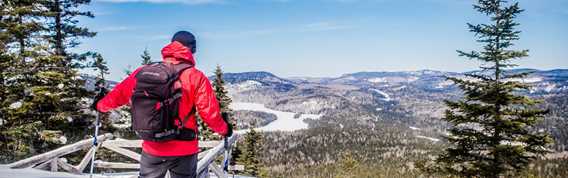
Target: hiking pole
[(95, 141)]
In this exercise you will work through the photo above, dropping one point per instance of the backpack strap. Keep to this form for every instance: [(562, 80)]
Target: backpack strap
[(186, 118), (179, 69)]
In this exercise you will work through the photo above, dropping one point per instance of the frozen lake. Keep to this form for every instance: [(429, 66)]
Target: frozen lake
[(285, 120)]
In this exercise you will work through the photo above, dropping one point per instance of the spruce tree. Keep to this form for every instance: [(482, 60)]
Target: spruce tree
[(493, 127), (146, 58), (250, 152), (42, 107), (63, 34), (101, 68), (222, 96), (220, 92), (26, 104)]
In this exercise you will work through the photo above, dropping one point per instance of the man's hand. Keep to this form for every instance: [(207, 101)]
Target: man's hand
[(100, 95), (225, 117)]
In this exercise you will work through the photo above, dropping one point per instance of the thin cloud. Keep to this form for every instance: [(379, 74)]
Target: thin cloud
[(167, 1)]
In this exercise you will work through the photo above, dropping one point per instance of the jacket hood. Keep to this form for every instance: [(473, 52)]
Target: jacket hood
[(176, 52)]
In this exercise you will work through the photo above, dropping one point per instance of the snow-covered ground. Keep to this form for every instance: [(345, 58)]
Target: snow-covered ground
[(414, 128), (385, 95), (248, 85), (428, 138), (285, 120)]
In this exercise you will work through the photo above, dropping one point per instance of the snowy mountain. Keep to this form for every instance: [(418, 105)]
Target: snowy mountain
[(254, 80), (412, 97)]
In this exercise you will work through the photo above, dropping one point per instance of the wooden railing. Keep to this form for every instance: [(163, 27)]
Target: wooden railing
[(55, 160)]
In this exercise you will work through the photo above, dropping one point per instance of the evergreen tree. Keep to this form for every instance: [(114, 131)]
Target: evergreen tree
[(249, 153), (222, 96), (220, 92), (493, 131), (42, 105), (63, 33), (348, 165), (27, 99), (146, 58), (101, 68)]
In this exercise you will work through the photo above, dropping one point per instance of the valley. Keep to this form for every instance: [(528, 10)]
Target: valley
[(376, 117)]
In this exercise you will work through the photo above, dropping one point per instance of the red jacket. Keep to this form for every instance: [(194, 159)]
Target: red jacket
[(196, 91)]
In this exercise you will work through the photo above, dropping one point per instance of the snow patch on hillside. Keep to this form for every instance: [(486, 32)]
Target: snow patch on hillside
[(428, 138), (386, 97), (527, 80), (377, 80), (444, 84), (248, 85), (285, 120), (414, 128)]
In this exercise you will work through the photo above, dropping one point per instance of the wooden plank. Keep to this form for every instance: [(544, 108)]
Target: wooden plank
[(125, 143), (202, 154), (43, 166), (217, 170), (86, 159), (53, 165), (125, 152), (138, 143), (114, 165), (59, 152), (213, 153), (204, 173), (209, 144), (237, 167), (66, 166)]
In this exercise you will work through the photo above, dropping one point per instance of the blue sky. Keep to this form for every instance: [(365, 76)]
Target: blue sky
[(318, 38)]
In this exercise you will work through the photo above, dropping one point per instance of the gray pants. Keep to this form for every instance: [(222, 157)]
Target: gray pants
[(157, 166)]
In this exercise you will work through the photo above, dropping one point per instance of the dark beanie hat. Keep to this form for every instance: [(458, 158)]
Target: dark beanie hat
[(187, 39)]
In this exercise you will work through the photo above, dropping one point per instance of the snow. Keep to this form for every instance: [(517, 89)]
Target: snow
[(248, 85), (312, 105), (392, 79), (548, 88), (527, 80), (2, 121), (412, 79), (285, 120), (399, 88), (60, 86), (35, 173), (63, 140), (377, 80), (16, 105), (428, 138), (385, 95), (379, 109), (414, 128), (444, 84)]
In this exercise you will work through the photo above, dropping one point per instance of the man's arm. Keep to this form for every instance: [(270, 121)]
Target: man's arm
[(208, 106), (120, 95)]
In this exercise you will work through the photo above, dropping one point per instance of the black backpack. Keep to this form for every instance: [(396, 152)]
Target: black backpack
[(155, 103)]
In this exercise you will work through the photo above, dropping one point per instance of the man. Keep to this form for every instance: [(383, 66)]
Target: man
[(177, 156)]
